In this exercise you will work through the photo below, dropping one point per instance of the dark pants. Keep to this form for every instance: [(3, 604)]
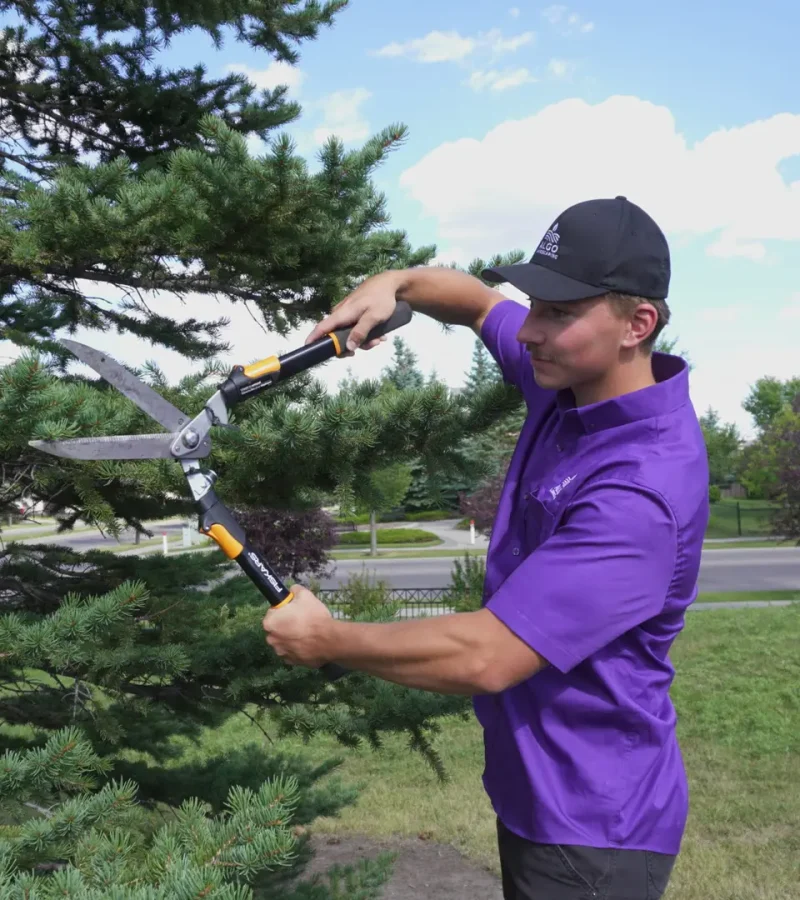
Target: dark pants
[(569, 872)]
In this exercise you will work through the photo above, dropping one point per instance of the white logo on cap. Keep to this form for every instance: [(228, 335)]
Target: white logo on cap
[(549, 244)]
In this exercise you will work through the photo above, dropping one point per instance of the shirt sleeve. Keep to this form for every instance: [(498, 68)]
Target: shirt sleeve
[(499, 334), (604, 571)]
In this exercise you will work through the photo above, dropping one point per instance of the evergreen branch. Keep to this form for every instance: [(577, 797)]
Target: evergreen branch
[(180, 284), (22, 161), (47, 813), (29, 104)]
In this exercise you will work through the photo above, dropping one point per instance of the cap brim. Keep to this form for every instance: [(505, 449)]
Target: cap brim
[(542, 284)]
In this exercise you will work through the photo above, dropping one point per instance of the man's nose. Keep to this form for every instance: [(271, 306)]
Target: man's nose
[(530, 333)]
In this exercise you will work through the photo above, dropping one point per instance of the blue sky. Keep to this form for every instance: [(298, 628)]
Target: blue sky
[(518, 110)]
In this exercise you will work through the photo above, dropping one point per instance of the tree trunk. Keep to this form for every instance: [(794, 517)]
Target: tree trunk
[(373, 533)]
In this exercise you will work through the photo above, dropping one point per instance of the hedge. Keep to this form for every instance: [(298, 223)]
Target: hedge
[(390, 536)]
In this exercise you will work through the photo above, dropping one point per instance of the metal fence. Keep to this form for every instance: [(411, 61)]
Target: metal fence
[(740, 520), (415, 602)]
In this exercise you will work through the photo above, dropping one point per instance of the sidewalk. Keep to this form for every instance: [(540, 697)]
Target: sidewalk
[(445, 529)]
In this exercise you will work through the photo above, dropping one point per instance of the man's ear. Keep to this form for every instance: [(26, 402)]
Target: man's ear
[(641, 323)]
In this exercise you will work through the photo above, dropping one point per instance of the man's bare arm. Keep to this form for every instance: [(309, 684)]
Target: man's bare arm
[(446, 295)]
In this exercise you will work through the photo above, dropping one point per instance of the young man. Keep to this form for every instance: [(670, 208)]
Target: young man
[(593, 560)]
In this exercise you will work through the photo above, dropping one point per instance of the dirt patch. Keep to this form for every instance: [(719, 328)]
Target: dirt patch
[(422, 869)]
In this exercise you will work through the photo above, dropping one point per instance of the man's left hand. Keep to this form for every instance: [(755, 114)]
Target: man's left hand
[(299, 632)]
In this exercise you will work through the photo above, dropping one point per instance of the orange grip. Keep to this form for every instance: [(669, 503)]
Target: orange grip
[(287, 599), (229, 545), (264, 367), (336, 344)]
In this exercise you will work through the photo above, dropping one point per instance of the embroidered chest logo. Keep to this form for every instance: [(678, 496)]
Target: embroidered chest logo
[(549, 243), (555, 491)]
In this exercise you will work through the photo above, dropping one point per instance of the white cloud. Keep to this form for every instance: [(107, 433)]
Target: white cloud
[(730, 245), (500, 46), (437, 46), (579, 24), (514, 12), (450, 46), (343, 116), (725, 187), (276, 74), (554, 14), (559, 68), (565, 21), (499, 81)]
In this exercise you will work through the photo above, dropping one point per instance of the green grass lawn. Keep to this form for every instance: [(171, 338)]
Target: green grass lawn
[(740, 596), (737, 692), (337, 553), (411, 553), (389, 536), (748, 545)]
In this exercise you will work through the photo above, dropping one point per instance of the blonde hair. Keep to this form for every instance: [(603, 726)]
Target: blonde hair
[(625, 304)]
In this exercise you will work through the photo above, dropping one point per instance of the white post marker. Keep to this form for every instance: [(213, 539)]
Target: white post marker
[(164, 539), (472, 531)]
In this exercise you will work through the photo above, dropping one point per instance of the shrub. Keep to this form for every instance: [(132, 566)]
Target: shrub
[(429, 515), (294, 541), (466, 593), (390, 536)]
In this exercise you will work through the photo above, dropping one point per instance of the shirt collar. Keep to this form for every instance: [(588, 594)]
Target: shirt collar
[(670, 391)]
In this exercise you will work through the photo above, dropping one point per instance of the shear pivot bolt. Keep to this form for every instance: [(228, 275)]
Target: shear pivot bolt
[(191, 439)]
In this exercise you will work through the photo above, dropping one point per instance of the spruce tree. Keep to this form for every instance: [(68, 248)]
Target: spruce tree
[(484, 370), (403, 372), (136, 653), (116, 170)]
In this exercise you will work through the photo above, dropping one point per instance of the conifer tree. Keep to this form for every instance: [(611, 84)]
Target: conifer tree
[(484, 369), (403, 372), (115, 171)]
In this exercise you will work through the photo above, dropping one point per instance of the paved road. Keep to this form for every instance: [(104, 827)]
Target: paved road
[(721, 570), (93, 540)]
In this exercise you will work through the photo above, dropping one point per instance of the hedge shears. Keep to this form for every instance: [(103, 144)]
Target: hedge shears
[(189, 440)]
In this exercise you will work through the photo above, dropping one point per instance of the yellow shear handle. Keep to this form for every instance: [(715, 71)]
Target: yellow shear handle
[(233, 549), (263, 367), (227, 542)]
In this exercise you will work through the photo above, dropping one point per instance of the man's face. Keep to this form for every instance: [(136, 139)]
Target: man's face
[(572, 344)]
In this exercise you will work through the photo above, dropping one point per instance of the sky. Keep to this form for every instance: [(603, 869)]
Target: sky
[(515, 112)]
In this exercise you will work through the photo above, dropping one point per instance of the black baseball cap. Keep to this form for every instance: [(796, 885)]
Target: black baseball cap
[(592, 248)]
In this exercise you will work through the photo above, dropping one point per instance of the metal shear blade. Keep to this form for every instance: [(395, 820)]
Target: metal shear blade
[(182, 443), (124, 381), (134, 446)]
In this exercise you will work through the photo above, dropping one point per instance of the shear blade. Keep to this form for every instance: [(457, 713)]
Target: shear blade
[(134, 446), (119, 377)]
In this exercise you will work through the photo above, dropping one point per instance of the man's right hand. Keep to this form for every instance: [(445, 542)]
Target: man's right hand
[(370, 304)]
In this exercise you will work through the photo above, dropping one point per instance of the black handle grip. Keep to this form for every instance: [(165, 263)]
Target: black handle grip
[(401, 316), (249, 381), (220, 525)]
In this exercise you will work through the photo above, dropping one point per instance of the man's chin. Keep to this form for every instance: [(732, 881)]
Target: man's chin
[(546, 375)]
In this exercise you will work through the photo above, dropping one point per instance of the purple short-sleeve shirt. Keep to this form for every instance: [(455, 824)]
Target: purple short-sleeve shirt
[(593, 560)]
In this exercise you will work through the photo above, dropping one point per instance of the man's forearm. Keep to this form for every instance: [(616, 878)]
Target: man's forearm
[(446, 654), (446, 295)]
